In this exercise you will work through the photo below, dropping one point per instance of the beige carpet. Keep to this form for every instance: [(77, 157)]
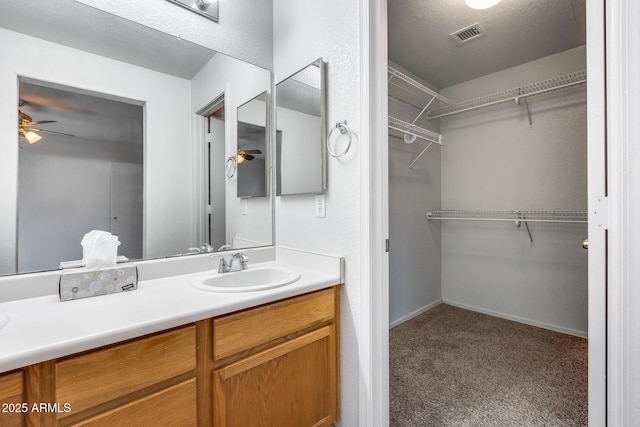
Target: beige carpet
[(452, 367)]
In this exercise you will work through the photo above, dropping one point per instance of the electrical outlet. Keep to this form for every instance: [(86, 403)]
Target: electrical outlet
[(321, 206)]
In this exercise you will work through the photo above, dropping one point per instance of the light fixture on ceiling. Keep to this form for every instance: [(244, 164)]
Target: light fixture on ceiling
[(32, 137), (206, 8), (481, 4)]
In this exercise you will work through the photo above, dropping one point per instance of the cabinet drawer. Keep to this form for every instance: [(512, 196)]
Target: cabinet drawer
[(93, 378), (11, 398), (241, 331), (174, 406)]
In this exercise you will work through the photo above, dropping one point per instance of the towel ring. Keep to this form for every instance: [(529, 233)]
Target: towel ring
[(230, 167), (344, 130)]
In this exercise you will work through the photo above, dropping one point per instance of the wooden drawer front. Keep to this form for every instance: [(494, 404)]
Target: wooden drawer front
[(11, 398), (289, 385), (93, 378), (174, 406), (241, 331)]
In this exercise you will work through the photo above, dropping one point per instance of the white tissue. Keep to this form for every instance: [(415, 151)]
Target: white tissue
[(99, 249)]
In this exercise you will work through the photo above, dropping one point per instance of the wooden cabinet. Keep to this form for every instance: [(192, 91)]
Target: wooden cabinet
[(281, 371), (12, 398), (145, 379), (273, 365)]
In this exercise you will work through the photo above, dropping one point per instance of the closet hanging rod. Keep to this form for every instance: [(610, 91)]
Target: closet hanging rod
[(403, 77), (572, 217), (511, 220), (512, 95)]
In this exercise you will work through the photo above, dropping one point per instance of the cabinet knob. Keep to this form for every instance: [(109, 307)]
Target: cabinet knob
[(585, 244)]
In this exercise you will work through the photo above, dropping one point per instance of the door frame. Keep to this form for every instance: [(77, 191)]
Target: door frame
[(374, 346)]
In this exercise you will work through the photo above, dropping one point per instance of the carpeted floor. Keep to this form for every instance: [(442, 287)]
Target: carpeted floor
[(452, 367)]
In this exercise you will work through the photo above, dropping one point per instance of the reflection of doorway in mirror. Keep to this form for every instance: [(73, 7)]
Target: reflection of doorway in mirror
[(216, 195), (85, 173)]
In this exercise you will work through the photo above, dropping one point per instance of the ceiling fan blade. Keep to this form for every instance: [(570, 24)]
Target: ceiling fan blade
[(41, 122), (253, 151), (248, 156), (53, 131)]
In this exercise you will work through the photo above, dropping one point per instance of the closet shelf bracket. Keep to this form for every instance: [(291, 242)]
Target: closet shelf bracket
[(415, 132)]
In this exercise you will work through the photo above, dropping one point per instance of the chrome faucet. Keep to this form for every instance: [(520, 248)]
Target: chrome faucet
[(204, 249), (242, 261)]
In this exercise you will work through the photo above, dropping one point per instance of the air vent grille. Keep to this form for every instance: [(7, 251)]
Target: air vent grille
[(467, 34)]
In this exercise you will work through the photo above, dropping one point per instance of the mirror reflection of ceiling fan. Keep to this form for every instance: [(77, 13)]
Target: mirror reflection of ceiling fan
[(247, 155), (26, 127)]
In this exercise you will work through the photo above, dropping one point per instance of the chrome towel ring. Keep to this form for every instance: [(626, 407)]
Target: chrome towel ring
[(344, 130), (230, 167)]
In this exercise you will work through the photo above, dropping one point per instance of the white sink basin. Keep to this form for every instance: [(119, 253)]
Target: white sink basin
[(4, 319), (252, 279)]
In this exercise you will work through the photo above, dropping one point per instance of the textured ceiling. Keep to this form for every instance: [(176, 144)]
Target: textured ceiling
[(82, 27), (517, 31), (85, 116)]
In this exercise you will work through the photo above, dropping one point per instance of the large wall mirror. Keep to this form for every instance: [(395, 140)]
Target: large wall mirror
[(301, 132), (102, 127)]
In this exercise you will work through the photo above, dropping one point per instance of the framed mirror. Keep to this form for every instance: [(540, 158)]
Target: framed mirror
[(122, 144), (252, 157), (301, 132)]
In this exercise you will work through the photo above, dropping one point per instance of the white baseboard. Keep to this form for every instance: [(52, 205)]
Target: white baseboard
[(556, 328), (414, 314)]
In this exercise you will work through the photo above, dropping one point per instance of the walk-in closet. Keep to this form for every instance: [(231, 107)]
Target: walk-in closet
[(488, 284)]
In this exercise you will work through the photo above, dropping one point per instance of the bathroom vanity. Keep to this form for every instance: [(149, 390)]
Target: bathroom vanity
[(239, 362)]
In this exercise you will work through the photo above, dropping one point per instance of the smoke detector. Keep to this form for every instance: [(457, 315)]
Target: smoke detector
[(467, 34)]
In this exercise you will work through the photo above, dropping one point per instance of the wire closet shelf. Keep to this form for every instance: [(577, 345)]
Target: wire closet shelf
[(512, 95), (420, 96), (575, 217), (516, 217)]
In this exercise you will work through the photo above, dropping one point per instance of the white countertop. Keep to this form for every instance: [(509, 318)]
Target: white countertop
[(44, 328)]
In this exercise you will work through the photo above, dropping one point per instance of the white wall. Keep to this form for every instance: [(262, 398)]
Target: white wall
[(240, 82), (244, 29), (493, 160), (303, 32), (414, 259), (56, 209), (168, 152)]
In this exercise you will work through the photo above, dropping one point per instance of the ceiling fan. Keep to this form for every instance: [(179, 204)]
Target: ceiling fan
[(247, 155), (26, 126)]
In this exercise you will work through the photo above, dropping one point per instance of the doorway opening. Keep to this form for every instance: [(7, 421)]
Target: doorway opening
[(80, 168), (214, 217), (487, 209)]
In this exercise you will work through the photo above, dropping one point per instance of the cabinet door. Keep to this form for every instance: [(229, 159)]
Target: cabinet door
[(293, 384), (11, 399)]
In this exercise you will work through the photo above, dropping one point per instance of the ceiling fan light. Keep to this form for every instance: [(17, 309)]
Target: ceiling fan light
[(240, 158), (32, 137), (481, 4)]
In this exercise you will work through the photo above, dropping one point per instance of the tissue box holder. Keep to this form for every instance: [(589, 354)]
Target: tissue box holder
[(91, 283)]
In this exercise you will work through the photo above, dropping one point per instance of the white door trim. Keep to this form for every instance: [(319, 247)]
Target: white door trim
[(374, 299), (623, 156), (596, 178)]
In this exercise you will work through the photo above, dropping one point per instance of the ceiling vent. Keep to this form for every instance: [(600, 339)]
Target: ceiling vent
[(467, 34)]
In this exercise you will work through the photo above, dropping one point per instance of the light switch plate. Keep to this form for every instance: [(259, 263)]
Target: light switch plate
[(321, 206), (243, 206)]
